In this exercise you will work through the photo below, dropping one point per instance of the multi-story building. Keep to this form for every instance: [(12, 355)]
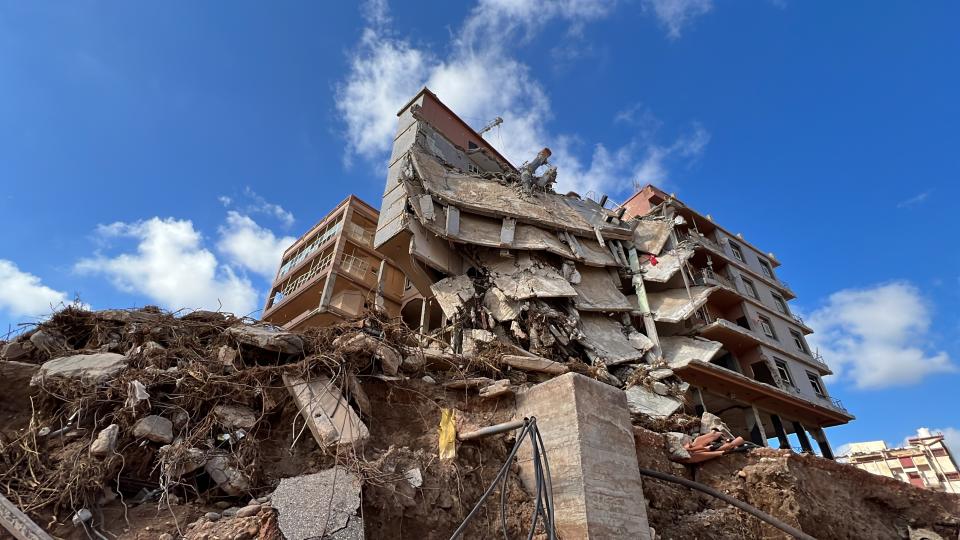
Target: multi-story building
[(332, 272), (760, 373), (924, 462)]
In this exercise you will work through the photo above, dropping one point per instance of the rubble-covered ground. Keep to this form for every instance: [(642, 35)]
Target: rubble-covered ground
[(146, 424)]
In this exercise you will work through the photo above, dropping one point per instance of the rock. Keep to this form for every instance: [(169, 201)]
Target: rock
[(221, 505), (230, 512), (263, 500), (319, 505), (87, 368), (414, 477), (390, 359), (474, 339), (641, 400), (711, 422), (50, 343), (429, 380), (227, 355), (180, 419), (660, 374), (106, 442), (248, 511), (640, 341), (266, 338), (202, 315), (82, 516), (469, 382), (165, 536), (17, 350), (742, 473), (212, 516), (235, 416), (151, 349), (660, 388), (497, 389), (227, 477), (154, 428), (675, 442), (412, 364)]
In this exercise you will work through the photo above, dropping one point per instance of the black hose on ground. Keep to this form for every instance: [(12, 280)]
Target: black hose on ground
[(792, 531)]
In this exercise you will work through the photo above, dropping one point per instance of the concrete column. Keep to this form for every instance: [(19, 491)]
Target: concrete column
[(589, 443), (802, 435), (822, 442), (781, 433), (755, 426), (381, 280), (425, 316)]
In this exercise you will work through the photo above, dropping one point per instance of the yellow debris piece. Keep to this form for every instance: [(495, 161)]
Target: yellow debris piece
[(448, 435)]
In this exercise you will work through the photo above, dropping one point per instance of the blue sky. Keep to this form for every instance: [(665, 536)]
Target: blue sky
[(165, 154)]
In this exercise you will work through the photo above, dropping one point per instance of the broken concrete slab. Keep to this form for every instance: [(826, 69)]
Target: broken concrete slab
[(667, 265), (154, 428), (106, 442), (589, 442), (640, 341), (328, 415), (320, 505), (650, 235), (674, 305), (228, 478), (475, 338), (499, 388), (530, 363), (266, 338), (524, 278), (468, 383), (642, 400), (680, 350), (604, 337), (235, 416), (598, 290), (501, 307), (86, 368), (17, 350), (451, 293)]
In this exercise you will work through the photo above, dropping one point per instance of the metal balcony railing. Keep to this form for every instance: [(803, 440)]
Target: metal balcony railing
[(360, 234), (318, 265), (359, 267)]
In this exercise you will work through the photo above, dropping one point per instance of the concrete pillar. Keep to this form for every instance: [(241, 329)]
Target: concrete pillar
[(425, 316), (755, 426), (381, 281), (822, 442), (781, 433), (802, 435), (589, 443)]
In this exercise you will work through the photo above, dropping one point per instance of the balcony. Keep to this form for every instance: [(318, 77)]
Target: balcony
[(318, 265), (360, 234), (359, 268)]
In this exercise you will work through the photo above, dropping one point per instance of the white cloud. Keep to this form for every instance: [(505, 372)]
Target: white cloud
[(24, 295), (877, 337), (674, 15), (915, 200), (250, 202), (951, 436), (480, 79), (251, 246), (171, 267)]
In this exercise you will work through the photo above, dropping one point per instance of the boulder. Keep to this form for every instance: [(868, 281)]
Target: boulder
[(235, 416), (227, 477), (106, 442), (86, 368), (267, 338), (154, 428), (17, 350)]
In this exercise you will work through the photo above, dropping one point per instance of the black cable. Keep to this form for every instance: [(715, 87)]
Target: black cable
[(792, 531)]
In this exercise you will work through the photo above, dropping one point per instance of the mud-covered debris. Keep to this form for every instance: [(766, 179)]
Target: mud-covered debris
[(266, 338), (16, 350), (86, 368)]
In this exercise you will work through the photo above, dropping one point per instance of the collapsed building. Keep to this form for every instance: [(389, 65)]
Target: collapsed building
[(619, 288)]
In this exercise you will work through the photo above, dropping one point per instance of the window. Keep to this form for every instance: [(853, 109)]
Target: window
[(767, 269), (750, 287), (816, 384), (799, 341), (939, 452), (737, 252), (783, 371), (767, 326), (780, 303)]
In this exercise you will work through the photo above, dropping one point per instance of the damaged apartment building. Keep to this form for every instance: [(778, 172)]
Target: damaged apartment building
[(615, 289), (475, 250)]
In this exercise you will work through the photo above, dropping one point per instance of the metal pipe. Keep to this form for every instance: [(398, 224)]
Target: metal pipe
[(792, 531), (491, 430)]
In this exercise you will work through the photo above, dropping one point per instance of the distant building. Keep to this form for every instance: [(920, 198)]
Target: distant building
[(924, 462), (332, 272)]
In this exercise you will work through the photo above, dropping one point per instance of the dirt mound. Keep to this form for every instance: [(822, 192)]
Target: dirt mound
[(823, 498)]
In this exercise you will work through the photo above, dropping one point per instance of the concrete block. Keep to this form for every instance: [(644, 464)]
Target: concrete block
[(589, 443)]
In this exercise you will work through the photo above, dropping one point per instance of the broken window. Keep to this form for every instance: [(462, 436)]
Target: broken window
[(783, 371), (737, 252), (816, 384), (750, 287), (780, 303), (799, 341), (767, 269), (767, 326)]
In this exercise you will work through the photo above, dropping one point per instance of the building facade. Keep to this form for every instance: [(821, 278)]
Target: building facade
[(332, 272), (925, 461), (719, 288)]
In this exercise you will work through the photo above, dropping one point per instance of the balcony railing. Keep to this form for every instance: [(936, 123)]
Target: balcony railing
[(359, 267), (318, 265), (360, 234)]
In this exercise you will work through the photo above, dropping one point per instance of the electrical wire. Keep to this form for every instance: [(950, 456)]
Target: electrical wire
[(544, 487), (792, 531)]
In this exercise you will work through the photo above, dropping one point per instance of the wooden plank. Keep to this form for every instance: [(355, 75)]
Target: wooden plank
[(18, 524), (541, 365)]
